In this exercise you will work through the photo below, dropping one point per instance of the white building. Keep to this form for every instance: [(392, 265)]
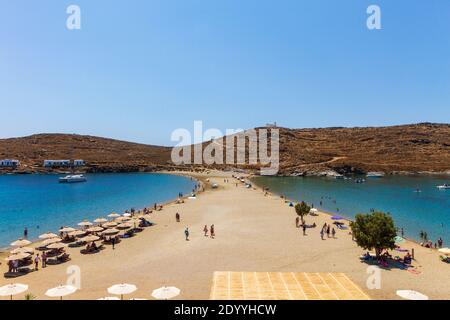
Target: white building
[(56, 163), (78, 163), (7, 163)]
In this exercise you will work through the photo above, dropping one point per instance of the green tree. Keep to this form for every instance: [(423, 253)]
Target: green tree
[(302, 209), (374, 231)]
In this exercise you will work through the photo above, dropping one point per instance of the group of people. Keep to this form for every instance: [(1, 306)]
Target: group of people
[(328, 229)]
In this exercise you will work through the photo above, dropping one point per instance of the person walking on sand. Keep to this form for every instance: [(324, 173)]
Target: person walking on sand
[(211, 232), (328, 231), (44, 259), (186, 233), (297, 220), (321, 234), (333, 233), (205, 230), (304, 229), (36, 262), (113, 242), (177, 217)]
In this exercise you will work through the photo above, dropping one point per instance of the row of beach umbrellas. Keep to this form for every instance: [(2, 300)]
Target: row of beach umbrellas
[(53, 241), (122, 289)]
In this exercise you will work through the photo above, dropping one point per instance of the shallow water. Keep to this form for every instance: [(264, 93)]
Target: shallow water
[(428, 210), (41, 204)]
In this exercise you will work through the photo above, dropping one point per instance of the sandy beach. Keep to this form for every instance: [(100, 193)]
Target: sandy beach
[(254, 232)]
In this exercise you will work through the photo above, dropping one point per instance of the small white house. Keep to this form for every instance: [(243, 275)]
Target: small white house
[(56, 163), (78, 163), (7, 163)]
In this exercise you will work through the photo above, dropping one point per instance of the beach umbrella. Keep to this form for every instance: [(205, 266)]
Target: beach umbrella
[(48, 235), (100, 220), (18, 256), (61, 291), (110, 224), (67, 229), (56, 245), (77, 233), (165, 293), (313, 210), (95, 229), (337, 218), (50, 241), (90, 238), (126, 214), (445, 251), (110, 232), (20, 243), (121, 289), (22, 250), (125, 225), (399, 239), (85, 223), (411, 295), (122, 219), (109, 298), (113, 215), (13, 289)]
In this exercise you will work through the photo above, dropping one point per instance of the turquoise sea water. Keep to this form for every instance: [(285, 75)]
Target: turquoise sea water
[(41, 204), (428, 210)]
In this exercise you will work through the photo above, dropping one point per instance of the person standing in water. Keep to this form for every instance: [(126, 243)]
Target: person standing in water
[(25, 233)]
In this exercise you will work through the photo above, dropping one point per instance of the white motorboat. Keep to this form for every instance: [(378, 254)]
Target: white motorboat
[(375, 174), (72, 178), (444, 186)]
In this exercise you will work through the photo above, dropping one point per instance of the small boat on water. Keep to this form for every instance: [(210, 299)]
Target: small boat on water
[(360, 180), (375, 174), (72, 178), (444, 186)]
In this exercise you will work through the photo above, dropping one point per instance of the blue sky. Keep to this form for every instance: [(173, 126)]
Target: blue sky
[(137, 70)]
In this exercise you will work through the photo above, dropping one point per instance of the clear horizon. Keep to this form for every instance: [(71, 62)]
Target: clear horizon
[(137, 71)]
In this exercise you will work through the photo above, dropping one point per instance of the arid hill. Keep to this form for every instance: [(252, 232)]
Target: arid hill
[(408, 148), (100, 154)]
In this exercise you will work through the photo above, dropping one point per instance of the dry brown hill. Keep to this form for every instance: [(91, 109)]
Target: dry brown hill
[(411, 148)]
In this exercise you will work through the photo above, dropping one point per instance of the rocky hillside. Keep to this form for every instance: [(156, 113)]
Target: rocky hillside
[(408, 148)]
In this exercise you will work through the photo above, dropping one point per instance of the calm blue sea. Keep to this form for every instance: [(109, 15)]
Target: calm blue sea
[(41, 204), (428, 210)]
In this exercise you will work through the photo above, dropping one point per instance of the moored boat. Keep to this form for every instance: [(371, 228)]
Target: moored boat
[(72, 178)]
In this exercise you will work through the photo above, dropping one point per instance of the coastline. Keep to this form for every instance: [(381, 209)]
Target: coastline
[(253, 233)]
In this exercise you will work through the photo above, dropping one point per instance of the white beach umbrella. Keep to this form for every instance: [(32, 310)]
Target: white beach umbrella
[(90, 238), (95, 229), (126, 214), (18, 256), (313, 210), (56, 245), (109, 298), (121, 289), (100, 220), (445, 251), (50, 241), (48, 235), (60, 291), (67, 229), (20, 243), (22, 250), (165, 293), (113, 215), (411, 295), (77, 233), (85, 223), (13, 289)]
